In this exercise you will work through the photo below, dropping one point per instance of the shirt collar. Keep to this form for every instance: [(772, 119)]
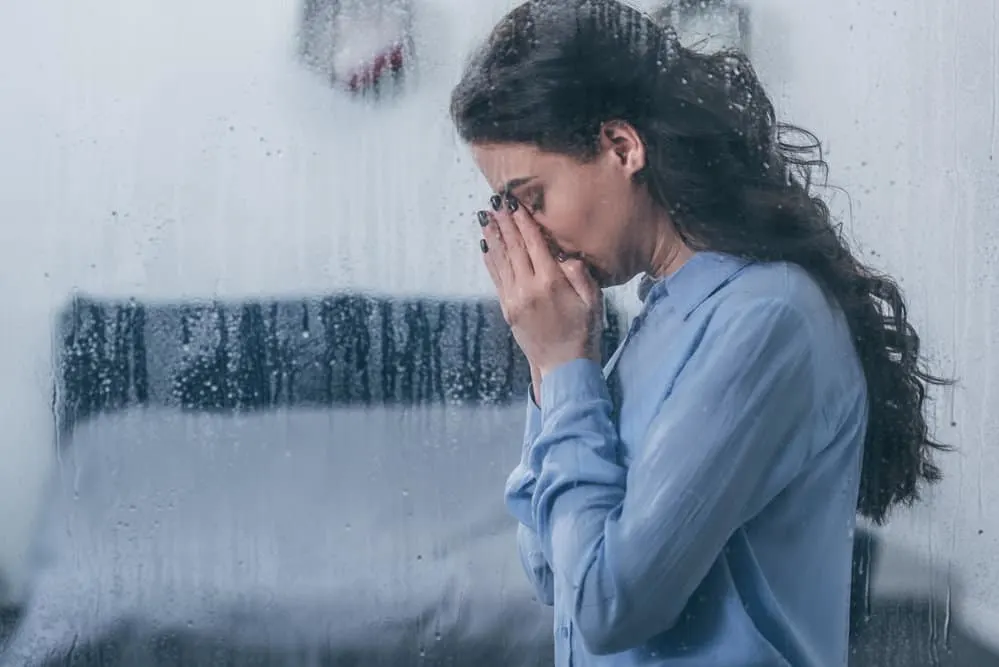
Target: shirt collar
[(689, 286)]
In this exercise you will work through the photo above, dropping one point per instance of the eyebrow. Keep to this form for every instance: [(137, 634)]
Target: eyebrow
[(515, 183)]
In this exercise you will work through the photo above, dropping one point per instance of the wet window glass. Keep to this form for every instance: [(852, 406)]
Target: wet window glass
[(264, 393)]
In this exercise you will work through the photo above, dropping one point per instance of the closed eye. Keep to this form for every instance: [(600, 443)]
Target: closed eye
[(537, 202), (534, 198)]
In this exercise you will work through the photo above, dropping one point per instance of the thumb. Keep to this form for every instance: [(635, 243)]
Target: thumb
[(579, 277)]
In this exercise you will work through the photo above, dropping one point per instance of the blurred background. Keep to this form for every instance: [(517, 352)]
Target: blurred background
[(257, 403)]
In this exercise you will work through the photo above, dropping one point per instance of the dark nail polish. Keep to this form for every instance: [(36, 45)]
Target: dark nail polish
[(512, 204), (483, 218), (495, 201), (483, 245)]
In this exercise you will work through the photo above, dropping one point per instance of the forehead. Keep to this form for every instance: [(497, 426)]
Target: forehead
[(504, 165)]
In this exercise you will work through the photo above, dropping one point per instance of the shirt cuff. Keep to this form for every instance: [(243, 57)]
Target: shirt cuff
[(580, 380)]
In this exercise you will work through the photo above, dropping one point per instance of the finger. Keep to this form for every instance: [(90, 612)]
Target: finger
[(538, 247), (495, 250), (579, 277), (489, 260), (520, 259)]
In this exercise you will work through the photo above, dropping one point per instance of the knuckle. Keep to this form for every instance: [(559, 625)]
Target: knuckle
[(512, 310)]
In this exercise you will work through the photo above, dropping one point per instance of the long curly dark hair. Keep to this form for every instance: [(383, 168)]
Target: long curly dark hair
[(732, 178)]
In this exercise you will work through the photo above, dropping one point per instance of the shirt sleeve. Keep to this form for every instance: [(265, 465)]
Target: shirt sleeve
[(634, 544), (518, 495)]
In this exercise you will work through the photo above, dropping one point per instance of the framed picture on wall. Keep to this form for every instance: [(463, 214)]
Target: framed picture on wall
[(708, 25), (358, 45)]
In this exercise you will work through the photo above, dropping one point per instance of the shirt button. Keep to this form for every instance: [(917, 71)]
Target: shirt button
[(564, 632)]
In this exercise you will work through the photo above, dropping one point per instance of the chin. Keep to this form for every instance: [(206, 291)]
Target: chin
[(612, 282), (604, 279)]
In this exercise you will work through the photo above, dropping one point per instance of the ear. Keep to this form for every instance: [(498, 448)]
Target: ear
[(621, 142)]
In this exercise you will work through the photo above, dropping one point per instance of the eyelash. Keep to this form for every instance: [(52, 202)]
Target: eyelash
[(537, 202)]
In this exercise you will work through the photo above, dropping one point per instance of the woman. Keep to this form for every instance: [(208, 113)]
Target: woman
[(694, 501)]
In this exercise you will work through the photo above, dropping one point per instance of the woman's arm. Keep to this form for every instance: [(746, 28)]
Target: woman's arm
[(519, 491), (713, 455), (535, 565)]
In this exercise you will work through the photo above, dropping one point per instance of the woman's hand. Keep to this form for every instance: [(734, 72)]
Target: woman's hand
[(554, 308)]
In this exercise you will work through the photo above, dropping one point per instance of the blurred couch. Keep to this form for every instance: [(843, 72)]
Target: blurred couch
[(315, 482)]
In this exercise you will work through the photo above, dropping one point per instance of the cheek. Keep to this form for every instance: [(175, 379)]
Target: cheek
[(568, 218)]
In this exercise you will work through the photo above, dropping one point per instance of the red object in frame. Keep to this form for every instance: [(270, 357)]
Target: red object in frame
[(357, 44), (389, 61)]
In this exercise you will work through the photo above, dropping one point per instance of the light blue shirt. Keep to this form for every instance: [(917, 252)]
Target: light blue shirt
[(697, 506)]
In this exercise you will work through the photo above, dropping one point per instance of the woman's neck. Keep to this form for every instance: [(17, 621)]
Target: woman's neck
[(669, 252)]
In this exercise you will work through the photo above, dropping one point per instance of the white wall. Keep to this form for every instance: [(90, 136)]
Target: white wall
[(175, 149)]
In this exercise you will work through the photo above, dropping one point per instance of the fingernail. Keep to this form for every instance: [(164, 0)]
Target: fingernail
[(511, 203), (483, 218), (495, 201), (483, 245)]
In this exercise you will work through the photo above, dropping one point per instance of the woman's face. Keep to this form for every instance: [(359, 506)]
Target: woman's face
[(590, 208)]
